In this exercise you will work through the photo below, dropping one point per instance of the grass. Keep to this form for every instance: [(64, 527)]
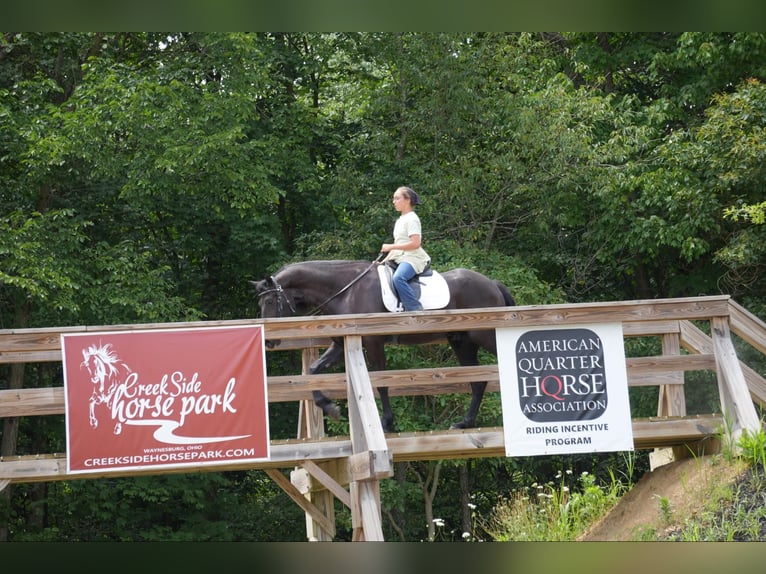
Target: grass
[(734, 512), (552, 511), (563, 509)]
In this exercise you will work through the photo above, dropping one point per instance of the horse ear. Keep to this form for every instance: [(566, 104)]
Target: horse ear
[(261, 285)]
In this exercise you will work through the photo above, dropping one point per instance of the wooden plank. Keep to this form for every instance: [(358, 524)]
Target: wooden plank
[(40, 350), (675, 431), (364, 419), (652, 379), (489, 442), (311, 425), (650, 328), (449, 444), (30, 357), (665, 363), (443, 321), (368, 442), (672, 401), (30, 340), (369, 504), (429, 445), (439, 321), (735, 396), (32, 402), (284, 454), (642, 371)]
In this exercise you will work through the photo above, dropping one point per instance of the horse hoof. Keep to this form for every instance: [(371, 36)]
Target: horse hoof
[(461, 425), (332, 410)]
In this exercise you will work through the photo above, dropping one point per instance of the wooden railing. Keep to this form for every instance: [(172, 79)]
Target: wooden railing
[(367, 455)]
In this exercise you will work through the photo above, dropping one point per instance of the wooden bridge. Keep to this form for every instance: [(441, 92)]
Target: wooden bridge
[(695, 335)]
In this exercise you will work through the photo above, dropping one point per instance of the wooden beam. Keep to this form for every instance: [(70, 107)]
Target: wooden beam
[(301, 500), (327, 481), (735, 398), (368, 442), (438, 321), (672, 401), (642, 371), (32, 402), (369, 505), (696, 341), (364, 418), (748, 326), (428, 445)]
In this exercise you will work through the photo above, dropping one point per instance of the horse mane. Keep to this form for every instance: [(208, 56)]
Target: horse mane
[(106, 355), (323, 264)]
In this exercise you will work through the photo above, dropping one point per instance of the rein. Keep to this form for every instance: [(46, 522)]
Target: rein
[(316, 310)]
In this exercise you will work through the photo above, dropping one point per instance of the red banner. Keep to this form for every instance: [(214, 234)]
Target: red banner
[(165, 398)]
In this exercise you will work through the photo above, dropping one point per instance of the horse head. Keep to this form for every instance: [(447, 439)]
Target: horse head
[(273, 301), (101, 364)]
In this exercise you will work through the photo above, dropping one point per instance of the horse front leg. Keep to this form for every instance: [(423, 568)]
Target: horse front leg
[(330, 357), (376, 355), (92, 412)]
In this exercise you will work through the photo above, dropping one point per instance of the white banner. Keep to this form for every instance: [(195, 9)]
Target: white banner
[(564, 390)]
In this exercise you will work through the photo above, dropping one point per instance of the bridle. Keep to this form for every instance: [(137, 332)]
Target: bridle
[(282, 296)]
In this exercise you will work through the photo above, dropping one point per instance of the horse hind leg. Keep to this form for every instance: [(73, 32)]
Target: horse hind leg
[(328, 406), (477, 395), (330, 357), (387, 417), (467, 353)]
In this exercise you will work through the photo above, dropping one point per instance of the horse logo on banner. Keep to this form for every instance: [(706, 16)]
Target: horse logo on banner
[(104, 368)]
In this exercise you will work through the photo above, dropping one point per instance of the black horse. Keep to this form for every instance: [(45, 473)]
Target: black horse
[(343, 287)]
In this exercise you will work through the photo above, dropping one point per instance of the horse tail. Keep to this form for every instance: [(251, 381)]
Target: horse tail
[(509, 300)]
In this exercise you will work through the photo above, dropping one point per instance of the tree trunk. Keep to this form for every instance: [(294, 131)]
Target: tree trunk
[(429, 484), (8, 445), (466, 510)]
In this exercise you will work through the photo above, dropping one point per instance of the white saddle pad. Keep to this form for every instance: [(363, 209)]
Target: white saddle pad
[(434, 291)]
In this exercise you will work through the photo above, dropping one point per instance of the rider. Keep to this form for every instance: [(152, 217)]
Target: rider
[(405, 251)]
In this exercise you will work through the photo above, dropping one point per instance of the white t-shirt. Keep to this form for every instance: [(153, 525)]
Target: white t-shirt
[(407, 225)]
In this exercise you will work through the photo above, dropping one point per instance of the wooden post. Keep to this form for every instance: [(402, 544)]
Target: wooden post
[(310, 426), (371, 459), (672, 402), (736, 404)]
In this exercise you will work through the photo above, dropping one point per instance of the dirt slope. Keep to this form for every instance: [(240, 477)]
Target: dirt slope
[(663, 498)]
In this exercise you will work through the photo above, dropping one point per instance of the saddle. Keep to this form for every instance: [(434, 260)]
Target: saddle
[(430, 287)]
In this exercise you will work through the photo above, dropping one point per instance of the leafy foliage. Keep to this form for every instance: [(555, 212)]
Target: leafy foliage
[(145, 177)]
